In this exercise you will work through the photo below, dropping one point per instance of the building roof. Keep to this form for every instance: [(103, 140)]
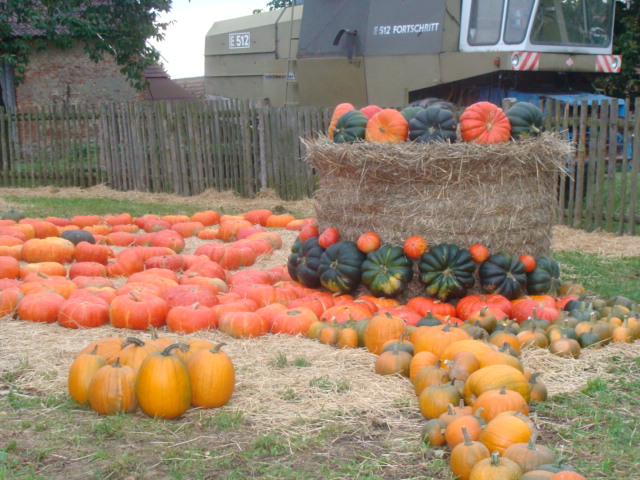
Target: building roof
[(161, 87), (194, 85)]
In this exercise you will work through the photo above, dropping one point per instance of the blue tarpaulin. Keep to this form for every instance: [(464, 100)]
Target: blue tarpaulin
[(496, 95)]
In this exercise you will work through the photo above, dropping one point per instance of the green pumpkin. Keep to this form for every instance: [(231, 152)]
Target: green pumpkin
[(360, 327), (433, 124), (545, 278), (410, 112), (340, 265), (447, 271), (503, 274), (12, 214), (588, 339), (77, 236), (387, 271), (429, 320), (526, 120), (351, 127), (292, 261), (308, 263)]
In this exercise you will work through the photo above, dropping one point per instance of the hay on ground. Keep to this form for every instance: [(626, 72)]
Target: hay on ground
[(503, 195)]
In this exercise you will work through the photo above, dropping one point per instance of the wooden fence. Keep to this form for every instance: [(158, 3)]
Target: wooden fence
[(188, 147)]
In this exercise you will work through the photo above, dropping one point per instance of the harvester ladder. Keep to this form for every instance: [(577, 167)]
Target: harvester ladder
[(292, 81)]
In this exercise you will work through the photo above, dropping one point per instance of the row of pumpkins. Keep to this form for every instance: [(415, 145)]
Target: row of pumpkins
[(163, 378), (447, 271), (481, 122)]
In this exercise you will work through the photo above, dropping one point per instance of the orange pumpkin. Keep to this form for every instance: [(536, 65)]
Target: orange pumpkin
[(387, 126), (484, 122), (337, 113)]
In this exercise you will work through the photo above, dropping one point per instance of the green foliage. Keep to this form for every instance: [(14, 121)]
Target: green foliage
[(276, 4), (626, 42), (119, 28)]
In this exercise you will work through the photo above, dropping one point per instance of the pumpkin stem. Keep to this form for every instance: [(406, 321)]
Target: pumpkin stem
[(133, 340), (135, 297), (217, 347), (195, 306), (503, 390), (532, 442), (534, 377), (467, 439), (451, 409), (94, 351), (167, 351), (117, 363), (495, 459)]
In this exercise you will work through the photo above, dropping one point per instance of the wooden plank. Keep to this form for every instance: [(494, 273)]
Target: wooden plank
[(591, 172), (218, 161), (626, 129), (76, 152), (262, 147), (51, 138), (601, 164), (573, 162), (635, 169), (105, 144), (200, 143), (612, 161), (562, 181)]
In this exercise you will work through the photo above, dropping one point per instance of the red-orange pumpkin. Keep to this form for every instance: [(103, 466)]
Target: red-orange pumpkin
[(484, 122), (387, 126)]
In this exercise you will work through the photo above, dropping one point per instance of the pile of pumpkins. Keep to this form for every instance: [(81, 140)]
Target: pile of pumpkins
[(481, 122), (115, 375)]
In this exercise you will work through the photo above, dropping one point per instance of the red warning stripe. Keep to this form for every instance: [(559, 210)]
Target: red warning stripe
[(604, 63), (528, 61)]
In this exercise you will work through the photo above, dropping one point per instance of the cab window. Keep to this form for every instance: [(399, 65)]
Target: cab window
[(485, 22)]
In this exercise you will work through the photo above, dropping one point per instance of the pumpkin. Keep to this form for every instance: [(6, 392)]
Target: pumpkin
[(387, 271), (495, 468), (494, 402), (409, 112), (83, 312), (163, 386), (484, 122), (545, 278), (77, 236), (437, 339), (53, 249), (108, 348), (380, 329), (494, 377), (135, 351), (40, 307), (435, 399), (466, 455), (479, 253), (293, 321), (499, 305), (9, 299), (414, 246), (308, 263), (393, 362), (537, 475), (368, 242), (212, 377), (370, 110), (525, 119), (340, 267), (11, 214), (504, 431), (530, 456), (82, 369), (338, 111), (447, 271), (138, 311), (191, 318), (240, 324), (350, 127), (432, 124), (429, 375), (347, 338), (565, 347), (432, 433), (473, 424), (112, 389), (567, 476), (328, 237), (503, 274), (387, 126)]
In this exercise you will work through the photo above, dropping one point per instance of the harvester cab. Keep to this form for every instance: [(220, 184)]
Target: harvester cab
[(392, 52)]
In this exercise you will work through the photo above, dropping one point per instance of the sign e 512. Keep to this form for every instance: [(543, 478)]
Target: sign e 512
[(240, 40)]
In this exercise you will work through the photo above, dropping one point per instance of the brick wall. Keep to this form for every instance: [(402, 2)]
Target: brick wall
[(69, 77)]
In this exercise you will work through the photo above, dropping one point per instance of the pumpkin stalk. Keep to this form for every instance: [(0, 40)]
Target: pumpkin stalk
[(495, 459), (167, 351), (467, 439), (216, 348)]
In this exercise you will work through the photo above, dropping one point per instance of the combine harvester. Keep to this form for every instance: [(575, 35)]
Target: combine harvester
[(394, 52)]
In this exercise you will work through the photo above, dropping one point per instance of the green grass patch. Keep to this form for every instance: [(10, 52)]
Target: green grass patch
[(597, 426), (604, 276)]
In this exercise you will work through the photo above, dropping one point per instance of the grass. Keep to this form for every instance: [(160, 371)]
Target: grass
[(602, 275)]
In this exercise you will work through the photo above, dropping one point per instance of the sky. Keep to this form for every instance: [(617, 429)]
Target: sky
[(182, 49)]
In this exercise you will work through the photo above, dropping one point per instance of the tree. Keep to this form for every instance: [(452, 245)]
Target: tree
[(276, 4), (626, 42), (119, 28)]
